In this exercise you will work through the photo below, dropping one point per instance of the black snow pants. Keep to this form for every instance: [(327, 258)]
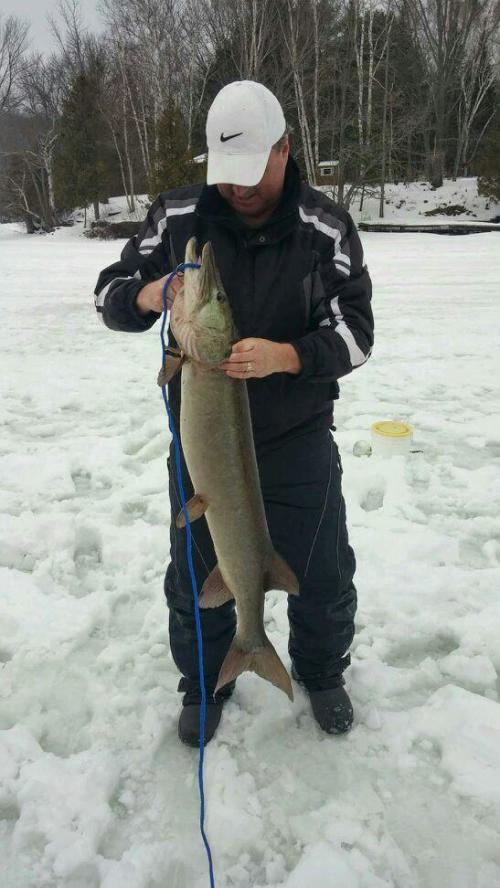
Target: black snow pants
[(301, 486)]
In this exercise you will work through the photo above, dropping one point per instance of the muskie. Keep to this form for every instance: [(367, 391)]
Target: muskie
[(216, 436)]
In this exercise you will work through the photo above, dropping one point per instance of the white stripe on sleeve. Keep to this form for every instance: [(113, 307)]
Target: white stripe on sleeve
[(146, 246), (341, 260), (356, 356), (99, 299)]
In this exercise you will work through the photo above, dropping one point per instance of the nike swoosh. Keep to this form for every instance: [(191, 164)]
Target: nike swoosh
[(224, 138)]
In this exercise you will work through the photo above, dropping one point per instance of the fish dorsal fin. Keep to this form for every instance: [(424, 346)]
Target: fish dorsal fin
[(280, 576)]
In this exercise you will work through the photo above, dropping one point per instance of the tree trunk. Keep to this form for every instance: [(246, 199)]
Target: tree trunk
[(384, 124), (390, 174), (291, 42), (408, 175), (370, 79), (362, 198), (437, 164), (37, 179), (316, 78), (130, 189), (122, 170), (359, 53), (142, 137)]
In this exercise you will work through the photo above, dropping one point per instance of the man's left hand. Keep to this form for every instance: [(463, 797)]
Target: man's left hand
[(256, 358)]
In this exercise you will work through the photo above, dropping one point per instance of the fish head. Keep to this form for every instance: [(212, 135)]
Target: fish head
[(202, 319)]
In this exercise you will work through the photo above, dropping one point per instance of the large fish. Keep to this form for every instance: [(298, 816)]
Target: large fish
[(217, 441)]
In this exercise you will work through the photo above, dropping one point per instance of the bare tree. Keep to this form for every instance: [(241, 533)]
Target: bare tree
[(70, 34), (301, 28), (344, 105), (43, 87), (384, 118), (13, 36), (477, 77), (444, 26), (149, 33), (364, 14)]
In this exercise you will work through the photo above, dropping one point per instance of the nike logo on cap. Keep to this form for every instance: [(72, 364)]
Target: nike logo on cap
[(224, 138)]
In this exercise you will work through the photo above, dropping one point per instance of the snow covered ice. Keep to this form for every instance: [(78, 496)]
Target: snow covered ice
[(95, 789)]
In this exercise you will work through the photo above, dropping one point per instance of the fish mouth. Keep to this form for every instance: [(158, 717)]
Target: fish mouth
[(209, 273)]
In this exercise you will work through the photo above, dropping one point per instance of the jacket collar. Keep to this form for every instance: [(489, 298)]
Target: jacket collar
[(212, 207)]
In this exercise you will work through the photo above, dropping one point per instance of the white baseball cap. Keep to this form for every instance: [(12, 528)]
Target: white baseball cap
[(244, 121)]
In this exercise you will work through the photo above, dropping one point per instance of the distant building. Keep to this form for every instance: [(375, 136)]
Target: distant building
[(199, 169), (327, 172)]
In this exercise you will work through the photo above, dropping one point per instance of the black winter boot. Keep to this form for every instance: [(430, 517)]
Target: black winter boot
[(189, 721), (332, 709)]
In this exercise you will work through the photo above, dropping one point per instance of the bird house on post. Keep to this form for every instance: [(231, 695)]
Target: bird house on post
[(327, 172)]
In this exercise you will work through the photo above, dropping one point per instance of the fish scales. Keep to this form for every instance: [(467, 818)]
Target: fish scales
[(215, 412)]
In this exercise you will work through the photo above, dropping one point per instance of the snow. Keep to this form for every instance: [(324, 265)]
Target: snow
[(95, 789), (410, 202)]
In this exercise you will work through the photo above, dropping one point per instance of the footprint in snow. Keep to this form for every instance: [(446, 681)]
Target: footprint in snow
[(373, 498), (87, 552)]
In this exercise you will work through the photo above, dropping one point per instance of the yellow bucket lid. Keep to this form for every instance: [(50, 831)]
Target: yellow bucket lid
[(390, 429)]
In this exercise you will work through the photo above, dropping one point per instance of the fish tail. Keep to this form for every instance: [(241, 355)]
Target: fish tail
[(264, 661)]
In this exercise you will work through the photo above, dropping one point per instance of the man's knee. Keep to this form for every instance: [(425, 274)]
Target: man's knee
[(324, 604)]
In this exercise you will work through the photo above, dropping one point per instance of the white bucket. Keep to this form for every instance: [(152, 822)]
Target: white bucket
[(391, 438)]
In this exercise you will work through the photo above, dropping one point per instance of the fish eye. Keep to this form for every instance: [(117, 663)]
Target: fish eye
[(220, 297)]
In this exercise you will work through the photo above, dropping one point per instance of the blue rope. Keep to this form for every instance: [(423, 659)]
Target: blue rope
[(182, 495)]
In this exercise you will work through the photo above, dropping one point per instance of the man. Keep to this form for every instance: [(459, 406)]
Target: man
[(292, 266)]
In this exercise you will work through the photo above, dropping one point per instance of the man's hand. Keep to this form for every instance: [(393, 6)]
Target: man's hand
[(150, 298), (260, 357)]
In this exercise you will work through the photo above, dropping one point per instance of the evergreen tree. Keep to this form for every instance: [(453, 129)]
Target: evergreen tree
[(174, 166), (82, 158)]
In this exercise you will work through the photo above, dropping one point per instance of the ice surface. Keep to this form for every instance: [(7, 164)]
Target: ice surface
[(95, 790)]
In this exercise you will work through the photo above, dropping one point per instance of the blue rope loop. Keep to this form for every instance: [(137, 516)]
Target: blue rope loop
[(199, 637)]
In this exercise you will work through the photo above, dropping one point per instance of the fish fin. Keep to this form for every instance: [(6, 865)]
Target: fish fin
[(264, 662), (172, 363), (196, 507), (280, 576), (214, 591)]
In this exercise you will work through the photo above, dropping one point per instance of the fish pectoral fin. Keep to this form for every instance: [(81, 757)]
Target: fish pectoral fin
[(196, 507), (171, 364), (280, 576), (214, 591), (264, 662)]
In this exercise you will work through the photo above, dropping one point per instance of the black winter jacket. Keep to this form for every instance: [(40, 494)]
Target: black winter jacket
[(298, 278)]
